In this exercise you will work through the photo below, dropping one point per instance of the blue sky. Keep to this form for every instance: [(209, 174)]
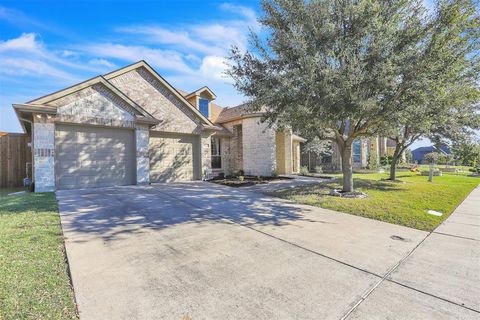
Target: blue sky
[(49, 45)]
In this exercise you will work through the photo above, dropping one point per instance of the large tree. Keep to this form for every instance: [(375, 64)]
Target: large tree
[(441, 101), (333, 68)]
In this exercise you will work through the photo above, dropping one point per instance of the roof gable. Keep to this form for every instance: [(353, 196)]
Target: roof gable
[(198, 92), (55, 99), (145, 66)]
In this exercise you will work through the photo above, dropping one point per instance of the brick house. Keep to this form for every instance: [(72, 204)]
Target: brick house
[(131, 126)]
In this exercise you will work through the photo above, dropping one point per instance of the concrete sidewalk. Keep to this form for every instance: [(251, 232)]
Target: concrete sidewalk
[(440, 276)]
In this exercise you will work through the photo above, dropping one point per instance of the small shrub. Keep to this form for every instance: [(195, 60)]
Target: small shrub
[(274, 173), (386, 160), (432, 157), (241, 178), (372, 161), (304, 171), (240, 172), (318, 169)]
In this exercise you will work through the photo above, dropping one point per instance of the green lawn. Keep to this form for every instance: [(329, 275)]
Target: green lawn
[(34, 282), (400, 203)]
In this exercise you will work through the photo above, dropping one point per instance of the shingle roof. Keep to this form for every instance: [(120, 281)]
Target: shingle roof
[(233, 113)]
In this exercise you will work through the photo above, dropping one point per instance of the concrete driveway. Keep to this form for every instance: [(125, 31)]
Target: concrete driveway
[(204, 251)]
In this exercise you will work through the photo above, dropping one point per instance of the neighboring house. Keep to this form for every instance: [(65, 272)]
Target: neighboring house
[(418, 155), (363, 150), (131, 126)]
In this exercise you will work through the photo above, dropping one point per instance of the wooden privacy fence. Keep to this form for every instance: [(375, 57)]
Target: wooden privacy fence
[(14, 156)]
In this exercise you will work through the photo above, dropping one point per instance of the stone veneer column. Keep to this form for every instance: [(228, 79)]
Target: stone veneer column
[(298, 155), (44, 152), (258, 148), (142, 136), (206, 153)]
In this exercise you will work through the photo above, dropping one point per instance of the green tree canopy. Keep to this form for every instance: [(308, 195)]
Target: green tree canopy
[(339, 69)]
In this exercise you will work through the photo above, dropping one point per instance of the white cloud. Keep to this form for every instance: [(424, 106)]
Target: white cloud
[(68, 53), (247, 12), (32, 67), (18, 18), (102, 62), (165, 59), (157, 34), (214, 67), (27, 55), (210, 38), (26, 42)]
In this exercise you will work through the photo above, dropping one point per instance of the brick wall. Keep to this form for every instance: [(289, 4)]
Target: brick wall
[(155, 98)]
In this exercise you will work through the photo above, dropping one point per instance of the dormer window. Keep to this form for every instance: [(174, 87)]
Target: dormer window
[(200, 99), (203, 106)]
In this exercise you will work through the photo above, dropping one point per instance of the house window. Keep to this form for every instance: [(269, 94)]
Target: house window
[(203, 106), (216, 154), (357, 151)]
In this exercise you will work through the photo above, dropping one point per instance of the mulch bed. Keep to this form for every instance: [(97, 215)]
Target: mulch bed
[(247, 181)]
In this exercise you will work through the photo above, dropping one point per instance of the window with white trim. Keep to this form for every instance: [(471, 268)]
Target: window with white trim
[(357, 151)]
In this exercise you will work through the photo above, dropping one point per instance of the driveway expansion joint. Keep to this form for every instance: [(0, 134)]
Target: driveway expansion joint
[(455, 236), (274, 237)]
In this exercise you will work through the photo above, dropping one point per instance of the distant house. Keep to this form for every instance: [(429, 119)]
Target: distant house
[(418, 155)]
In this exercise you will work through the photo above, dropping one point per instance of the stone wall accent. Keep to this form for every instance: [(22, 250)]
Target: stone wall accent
[(258, 147), (284, 151), (206, 154), (365, 149), (237, 146), (296, 155), (143, 88), (142, 137), (233, 148), (96, 101), (382, 142), (44, 153)]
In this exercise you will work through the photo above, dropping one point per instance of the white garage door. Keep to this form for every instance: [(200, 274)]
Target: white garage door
[(173, 157), (93, 157)]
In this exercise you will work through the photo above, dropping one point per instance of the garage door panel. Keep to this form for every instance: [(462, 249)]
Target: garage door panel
[(172, 157), (94, 157)]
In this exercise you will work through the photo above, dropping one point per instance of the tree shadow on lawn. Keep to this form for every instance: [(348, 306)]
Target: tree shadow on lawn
[(324, 188), (28, 202), (111, 213)]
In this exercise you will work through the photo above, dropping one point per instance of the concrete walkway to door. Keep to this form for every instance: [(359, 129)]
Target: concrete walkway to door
[(204, 251)]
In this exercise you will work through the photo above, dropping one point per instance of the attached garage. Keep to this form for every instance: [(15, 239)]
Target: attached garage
[(92, 156), (174, 157), (93, 134)]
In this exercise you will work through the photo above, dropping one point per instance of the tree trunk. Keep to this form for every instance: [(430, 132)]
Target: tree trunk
[(393, 168), (347, 167), (393, 165)]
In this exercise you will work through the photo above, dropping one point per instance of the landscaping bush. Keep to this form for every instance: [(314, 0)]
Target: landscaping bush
[(386, 160), (432, 157), (240, 173), (318, 169), (304, 171), (274, 173), (372, 161)]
